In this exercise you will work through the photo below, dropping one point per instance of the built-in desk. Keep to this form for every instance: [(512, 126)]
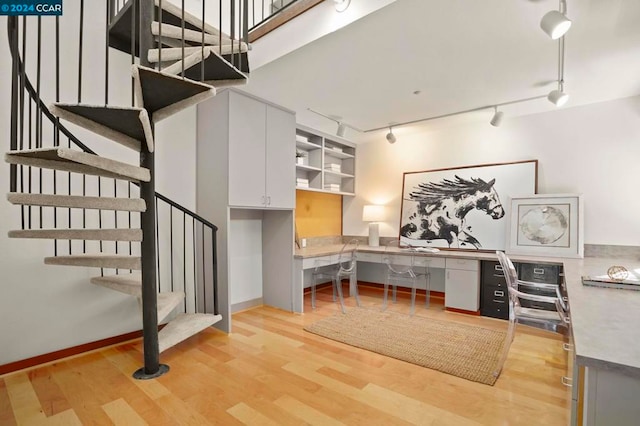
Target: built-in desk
[(605, 325), (462, 299)]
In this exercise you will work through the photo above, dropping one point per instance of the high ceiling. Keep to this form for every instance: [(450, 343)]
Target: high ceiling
[(459, 55)]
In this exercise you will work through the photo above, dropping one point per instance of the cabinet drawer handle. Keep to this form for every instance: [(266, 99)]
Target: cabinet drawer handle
[(498, 268), (499, 275), (498, 293), (567, 381), (538, 271), (567, 347), (497, 301)]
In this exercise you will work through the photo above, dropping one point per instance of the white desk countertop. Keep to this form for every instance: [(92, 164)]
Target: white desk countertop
[(605, 322)]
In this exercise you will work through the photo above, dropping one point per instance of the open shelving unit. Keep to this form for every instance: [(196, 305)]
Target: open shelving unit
[(327, 163)]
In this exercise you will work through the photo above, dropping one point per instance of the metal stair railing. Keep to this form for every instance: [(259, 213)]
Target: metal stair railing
[(182, 243)]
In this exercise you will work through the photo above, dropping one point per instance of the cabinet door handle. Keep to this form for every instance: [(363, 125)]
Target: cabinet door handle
[(263, 200), (498, 293), (567, 347), (498, 268), (567, 381), (269, 200), (538, 271)]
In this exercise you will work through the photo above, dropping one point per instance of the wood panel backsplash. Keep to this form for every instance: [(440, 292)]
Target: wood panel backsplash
[(318, 214)]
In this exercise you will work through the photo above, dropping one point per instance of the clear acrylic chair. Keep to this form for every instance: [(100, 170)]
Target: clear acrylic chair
[(546, 319), (401, 271), (345, 268)]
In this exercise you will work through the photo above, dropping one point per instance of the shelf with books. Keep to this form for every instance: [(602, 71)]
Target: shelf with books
[(325, 163)]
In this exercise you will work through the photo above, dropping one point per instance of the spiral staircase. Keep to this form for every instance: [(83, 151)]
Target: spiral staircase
[(192, 58)]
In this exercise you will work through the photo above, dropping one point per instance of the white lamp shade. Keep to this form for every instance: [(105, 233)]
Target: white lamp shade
[(558, 97), (373, 213), (555, 24), (497, 119)]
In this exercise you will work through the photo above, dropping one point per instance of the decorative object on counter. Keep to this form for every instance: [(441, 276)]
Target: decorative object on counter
[(618, 273), (546, 225), (373, 214), (617, 277), (461, 208), (461, 350)]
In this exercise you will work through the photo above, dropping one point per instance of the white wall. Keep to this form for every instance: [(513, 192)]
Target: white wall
[(245, 255), (593, 150), (47, 308)]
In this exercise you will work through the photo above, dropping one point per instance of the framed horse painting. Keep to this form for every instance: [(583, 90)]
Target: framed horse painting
[(462, 208)]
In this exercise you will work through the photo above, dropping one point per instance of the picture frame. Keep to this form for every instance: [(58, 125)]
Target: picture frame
[(546, 225), (462, 208)]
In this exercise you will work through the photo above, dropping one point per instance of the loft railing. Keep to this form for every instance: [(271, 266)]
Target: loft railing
[(267, 15), (184, 243)]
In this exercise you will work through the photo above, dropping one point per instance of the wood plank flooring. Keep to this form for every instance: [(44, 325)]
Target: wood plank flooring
[(271, 372)]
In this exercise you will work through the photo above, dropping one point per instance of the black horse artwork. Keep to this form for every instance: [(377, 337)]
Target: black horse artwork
[(437, 211)]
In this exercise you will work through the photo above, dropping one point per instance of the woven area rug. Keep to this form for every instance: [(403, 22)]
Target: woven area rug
[(462, 350)]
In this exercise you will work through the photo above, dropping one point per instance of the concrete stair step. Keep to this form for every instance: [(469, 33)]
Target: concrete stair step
[(99, 260), (163, 95), (78, 201), (70, 160), (80, 234), (183, 327), (128, 126)]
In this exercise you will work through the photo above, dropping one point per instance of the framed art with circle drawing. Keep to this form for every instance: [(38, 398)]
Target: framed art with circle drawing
[(546, 225)]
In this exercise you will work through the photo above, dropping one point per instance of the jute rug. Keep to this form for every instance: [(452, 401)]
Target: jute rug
[(462, 350)]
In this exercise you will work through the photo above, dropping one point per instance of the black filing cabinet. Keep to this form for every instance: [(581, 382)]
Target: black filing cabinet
[(539, 273), (495, 297)]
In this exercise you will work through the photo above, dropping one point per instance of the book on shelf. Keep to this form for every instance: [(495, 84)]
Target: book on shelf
[(631, 283), (332, 187), (301, 138), (333, 167), (302, 185)]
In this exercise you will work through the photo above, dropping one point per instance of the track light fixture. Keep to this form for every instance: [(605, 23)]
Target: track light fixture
[(558, 97), (496, 120), (342, 128), (391, 138), (341, 5), (555, 23)]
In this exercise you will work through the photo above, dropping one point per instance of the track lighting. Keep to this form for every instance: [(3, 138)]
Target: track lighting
[(341, 5), (496, 120), (391, 138), (341, 129), (555, 23), (558, 97)]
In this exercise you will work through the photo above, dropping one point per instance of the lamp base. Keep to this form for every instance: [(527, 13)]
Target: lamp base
[(374, 234)]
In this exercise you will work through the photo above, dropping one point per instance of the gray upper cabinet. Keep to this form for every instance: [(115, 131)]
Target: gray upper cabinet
[(280, 144), (260, 144)]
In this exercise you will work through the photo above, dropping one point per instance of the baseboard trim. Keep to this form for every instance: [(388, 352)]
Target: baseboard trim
[(404, 290), (64, 353), (249, 304), (462, 311)]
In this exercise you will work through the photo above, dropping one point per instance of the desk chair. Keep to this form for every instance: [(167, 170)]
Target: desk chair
[(401, 271), (548, 320), (345, 268)]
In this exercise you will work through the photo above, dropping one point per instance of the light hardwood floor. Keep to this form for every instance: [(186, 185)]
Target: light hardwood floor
[(271, 372)]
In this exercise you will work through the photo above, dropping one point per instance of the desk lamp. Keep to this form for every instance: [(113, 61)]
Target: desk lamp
[(373, 214)]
